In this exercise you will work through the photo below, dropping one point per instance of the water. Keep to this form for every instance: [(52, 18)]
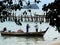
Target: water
[(5, 40)]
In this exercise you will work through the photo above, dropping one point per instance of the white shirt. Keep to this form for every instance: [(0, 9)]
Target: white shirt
[(36, 26)]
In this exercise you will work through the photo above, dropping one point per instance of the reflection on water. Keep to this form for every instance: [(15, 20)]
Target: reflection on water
[(4, 40)]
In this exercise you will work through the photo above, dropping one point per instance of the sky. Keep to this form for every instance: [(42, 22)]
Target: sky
[(38, 11)]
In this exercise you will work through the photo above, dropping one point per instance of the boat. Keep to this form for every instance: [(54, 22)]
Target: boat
[(24, 33)]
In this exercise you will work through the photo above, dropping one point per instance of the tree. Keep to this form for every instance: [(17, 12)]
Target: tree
[(1, 6), (45, 9), (54, 13)]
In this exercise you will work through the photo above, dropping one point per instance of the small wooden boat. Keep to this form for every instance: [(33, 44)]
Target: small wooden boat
[(23, 33)]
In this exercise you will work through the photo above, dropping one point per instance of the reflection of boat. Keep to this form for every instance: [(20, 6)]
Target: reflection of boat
[(23, 33)]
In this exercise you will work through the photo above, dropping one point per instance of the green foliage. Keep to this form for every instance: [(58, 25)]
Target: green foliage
[(54, 13)]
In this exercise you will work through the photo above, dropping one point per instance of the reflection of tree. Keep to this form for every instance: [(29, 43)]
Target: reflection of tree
[(53, 13)]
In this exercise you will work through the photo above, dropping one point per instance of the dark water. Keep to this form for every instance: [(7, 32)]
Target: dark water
[(6, 40)]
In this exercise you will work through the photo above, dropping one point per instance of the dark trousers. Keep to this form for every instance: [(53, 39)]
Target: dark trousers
[(27, 30)]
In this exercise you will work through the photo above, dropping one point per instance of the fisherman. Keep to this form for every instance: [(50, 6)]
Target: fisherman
[(36, 27), (4, 29), (27, 28)]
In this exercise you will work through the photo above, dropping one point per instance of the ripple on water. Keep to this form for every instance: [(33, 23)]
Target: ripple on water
[(4, 40)]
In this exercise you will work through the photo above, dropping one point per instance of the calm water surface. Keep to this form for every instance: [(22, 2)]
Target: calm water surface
[(6, 40)]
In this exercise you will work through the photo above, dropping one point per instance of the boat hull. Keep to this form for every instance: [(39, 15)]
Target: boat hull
[(22, 34)]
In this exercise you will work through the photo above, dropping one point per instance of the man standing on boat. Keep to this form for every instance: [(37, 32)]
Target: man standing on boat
[(4, 29), (27, 28), (36, 27)]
